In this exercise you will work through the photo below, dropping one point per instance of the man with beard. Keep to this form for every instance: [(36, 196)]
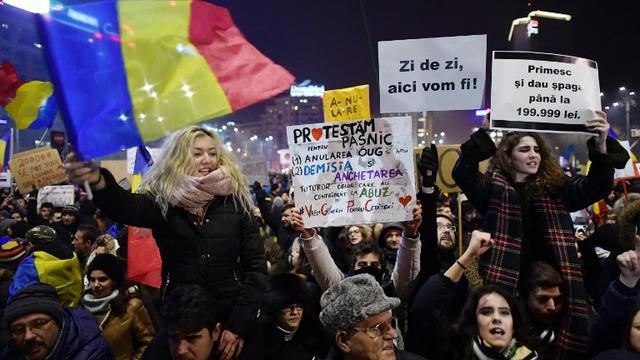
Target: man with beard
[(446, 241), (41, 328)]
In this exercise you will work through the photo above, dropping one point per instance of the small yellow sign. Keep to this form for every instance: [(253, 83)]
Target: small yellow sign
[(347, 104)]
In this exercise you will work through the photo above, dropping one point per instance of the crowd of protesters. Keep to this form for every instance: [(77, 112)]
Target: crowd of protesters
[(524, 268)]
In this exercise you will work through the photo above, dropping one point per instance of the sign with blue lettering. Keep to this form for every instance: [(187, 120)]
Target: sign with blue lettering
[(353, 172)]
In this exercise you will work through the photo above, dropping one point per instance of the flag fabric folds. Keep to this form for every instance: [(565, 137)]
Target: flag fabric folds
[(30, 104), (5, 155), (143, 256), (142, 162), (142, 69)]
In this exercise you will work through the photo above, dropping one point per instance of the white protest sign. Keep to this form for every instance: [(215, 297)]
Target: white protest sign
[(5, 179), (353, 172), (131, 157), (445, 73), (543, 92), (59, 196), (254, 168), (630, 171)]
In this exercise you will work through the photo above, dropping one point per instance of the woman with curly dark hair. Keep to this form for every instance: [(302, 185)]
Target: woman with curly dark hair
[(526, 201)]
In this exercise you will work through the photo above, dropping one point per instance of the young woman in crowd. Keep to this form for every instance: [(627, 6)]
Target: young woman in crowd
[(197, 203), (490, 326), (122, 317), (525, 200)]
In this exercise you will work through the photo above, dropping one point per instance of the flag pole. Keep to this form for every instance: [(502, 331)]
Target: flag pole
[(12, 140)]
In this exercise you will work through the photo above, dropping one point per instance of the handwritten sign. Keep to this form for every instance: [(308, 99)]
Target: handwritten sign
[(446, 73), (353, 172), (543, 92), (37, 168), (254, 168), (59, 196), (447, 157), (347, 104)]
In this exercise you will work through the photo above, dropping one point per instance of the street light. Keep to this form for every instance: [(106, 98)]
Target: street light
[(628, 102)]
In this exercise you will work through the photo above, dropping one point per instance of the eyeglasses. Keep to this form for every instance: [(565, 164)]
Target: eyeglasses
[(292, 307), (20, 330), (380, 329), (447, 227)]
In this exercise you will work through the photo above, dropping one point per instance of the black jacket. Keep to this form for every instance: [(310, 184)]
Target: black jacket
[(225, 253)]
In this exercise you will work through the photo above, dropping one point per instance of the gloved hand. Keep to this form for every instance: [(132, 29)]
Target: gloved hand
[(428, 165)]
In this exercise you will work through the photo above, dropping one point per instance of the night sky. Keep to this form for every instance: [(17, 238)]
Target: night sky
[(334, 42)]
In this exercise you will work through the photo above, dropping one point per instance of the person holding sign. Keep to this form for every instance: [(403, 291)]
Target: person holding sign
[(526, 200), (197, 203), (327, 273)]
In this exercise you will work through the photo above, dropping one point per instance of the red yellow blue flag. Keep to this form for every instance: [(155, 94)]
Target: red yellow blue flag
[(142, 69)]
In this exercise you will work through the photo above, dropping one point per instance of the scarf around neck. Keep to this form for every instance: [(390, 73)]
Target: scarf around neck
[(98, 305), (194, 193), (515, 351)]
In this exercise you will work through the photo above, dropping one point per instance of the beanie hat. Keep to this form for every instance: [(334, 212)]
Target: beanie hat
[(5, 214), (110, 265), (70, 209), (11, 253), (35, 298), (283, 290), (352, 300), (385, 230), (40, 234)]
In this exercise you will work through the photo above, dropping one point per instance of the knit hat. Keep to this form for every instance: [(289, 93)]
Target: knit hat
[(40, 234), (385, 230), (36, 298), (5, 214), (110, 265), (70, 209), (352, 300), (284, 290), (11, 253)]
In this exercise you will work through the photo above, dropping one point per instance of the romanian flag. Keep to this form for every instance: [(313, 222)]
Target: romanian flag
[(142, 162), (4, 154), (143, 257), (30, 104), (142, 69)]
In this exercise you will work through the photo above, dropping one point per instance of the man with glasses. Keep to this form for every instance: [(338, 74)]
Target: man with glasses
[(358, 313), (41, 328)]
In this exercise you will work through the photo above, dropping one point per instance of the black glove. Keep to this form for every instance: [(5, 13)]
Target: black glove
[(428, 166)]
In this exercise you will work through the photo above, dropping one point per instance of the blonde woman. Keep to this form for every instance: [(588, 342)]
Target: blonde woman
[(197, 203)]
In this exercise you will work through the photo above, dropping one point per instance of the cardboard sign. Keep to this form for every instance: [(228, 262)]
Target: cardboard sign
[(37, 168), (347, 104), (447, 157), (254, 168), (353, 172), (446, 73), (59, 196), (543, 92)]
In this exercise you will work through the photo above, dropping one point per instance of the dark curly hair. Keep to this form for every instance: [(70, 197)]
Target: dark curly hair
[(466, 326), (549, 177)]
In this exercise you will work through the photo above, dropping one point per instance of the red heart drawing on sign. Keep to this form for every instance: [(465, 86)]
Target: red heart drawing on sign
[(404, 200), (317, 133)]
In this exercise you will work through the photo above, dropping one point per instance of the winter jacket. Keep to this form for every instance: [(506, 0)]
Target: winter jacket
[(130, 333), (608, 327), (224, 253), (79, 339)]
